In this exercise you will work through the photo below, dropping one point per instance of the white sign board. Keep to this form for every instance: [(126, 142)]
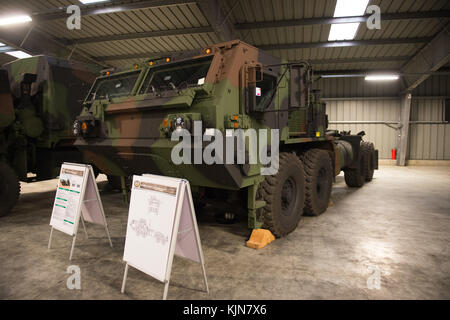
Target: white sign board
[(67, 203), (161, 224), (76, 197)]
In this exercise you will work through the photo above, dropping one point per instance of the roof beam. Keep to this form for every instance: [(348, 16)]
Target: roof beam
[(100, 8), (348, 43), (337, 20), (429, 59), (35, 42), (213, 12), (360, 60), (139, 35), (331, 44), (149, 55)]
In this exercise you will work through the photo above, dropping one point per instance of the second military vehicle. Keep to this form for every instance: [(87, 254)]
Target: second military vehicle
[(129, 118), (40, 97)]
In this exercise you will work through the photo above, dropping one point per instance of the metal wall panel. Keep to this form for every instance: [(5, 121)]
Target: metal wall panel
[(384, 137), (429, 141), (436, 85), (353, 99), (356, 87)]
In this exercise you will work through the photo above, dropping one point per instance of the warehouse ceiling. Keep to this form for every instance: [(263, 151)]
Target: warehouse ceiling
[(118, 33)]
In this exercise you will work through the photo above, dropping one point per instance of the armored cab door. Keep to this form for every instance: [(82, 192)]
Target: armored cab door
[(251, 75), (298, 100), (261, 102)]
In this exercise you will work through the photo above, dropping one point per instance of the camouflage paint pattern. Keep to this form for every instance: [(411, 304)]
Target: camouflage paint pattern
[(40, 136), (129, 134)]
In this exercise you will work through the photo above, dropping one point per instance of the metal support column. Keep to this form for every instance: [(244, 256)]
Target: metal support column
[(404, 130)]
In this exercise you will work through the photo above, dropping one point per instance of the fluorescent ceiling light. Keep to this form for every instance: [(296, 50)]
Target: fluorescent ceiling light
[(14, 19), (343, 31), (91, 1), (382, 77), (347, 8), (2, 44), (18, 54), (342, 76)]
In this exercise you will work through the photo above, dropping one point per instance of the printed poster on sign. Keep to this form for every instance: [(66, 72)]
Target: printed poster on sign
[(68, 198), (150, 224)]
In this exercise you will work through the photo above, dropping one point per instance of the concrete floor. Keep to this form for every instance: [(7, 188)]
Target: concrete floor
[(399, 224)]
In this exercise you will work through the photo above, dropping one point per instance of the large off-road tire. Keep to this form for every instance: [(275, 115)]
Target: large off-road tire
[(355, 177), (368, 151), (9, 188), (318, 181), (284, 194)]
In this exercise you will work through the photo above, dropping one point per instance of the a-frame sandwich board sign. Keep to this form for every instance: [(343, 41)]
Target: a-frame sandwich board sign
[(77, 198), (161, 224)]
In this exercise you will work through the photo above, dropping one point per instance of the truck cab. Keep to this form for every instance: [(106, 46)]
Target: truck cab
[(130, 117)]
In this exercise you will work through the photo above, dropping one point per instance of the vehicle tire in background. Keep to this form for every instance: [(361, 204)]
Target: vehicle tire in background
[(114, 182), (355, 177), (284, 194), (318, 180), (368, 151), (9, 188)]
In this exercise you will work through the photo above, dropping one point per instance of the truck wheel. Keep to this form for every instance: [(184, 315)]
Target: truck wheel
[(368, 151), (284, 194), (318, 181), (355, 177), (9, 188)]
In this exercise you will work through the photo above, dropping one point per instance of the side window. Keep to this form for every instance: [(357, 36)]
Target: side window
[(180, 75), (265, 91)]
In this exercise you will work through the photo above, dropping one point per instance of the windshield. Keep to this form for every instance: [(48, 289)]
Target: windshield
[(113, 86), (177, 75)]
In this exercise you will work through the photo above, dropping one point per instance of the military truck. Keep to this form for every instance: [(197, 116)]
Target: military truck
[(129, 117), (40, 97)]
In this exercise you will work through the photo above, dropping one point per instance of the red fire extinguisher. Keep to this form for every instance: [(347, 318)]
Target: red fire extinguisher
[(394, 154)]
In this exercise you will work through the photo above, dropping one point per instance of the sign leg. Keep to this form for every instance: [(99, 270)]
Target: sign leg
[(197, 237), (107, 233), (73, 246), (50, 238), (166, 289), (204, 276), (84, 226), (124, 282)]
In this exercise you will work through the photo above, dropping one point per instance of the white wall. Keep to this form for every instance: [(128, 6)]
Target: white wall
[(353, 99)]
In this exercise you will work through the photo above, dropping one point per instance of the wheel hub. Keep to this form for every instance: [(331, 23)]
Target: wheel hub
[(288, 196)]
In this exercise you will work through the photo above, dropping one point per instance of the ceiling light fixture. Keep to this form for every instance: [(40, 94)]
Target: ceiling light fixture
[(381, 77), (92, 1), (18, 54), (342, 76), (14, 20), (347, 8)]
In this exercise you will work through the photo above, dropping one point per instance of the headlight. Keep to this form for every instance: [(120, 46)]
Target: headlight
[(179, 123), (76, 128)]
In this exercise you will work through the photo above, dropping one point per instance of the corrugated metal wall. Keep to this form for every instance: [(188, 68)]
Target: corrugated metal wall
[(353, 99), (384, 137), (356, 87), (428, 141)]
